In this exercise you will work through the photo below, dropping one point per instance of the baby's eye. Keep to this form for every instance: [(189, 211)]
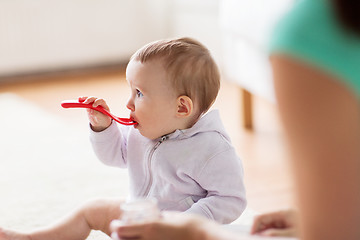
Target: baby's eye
[(138, 93)]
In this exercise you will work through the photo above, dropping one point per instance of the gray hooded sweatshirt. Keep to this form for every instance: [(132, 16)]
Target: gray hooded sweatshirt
[(195, 170)]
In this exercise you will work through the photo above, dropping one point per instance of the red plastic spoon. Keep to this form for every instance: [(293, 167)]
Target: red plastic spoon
[(77, 104)]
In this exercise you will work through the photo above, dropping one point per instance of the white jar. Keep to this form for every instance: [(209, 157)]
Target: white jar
[(139, 211)]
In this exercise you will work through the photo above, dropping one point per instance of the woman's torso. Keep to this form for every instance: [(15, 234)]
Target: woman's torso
[(310, 32)]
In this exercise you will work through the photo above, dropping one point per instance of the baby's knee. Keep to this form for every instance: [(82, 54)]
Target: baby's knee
[(101, 211)]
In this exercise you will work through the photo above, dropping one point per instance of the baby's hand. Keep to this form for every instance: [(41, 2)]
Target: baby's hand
[(98, 121)]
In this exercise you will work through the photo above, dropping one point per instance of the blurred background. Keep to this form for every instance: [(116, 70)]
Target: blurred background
[(56, 50), (42, 36)]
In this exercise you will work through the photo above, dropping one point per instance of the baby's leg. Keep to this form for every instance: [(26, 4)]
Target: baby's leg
[(94, 215)]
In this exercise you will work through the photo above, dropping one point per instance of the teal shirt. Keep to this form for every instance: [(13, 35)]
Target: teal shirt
[(311, 32)]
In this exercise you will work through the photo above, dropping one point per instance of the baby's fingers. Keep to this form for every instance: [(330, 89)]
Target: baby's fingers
[(87, 100), (94, 101), (100, 102)]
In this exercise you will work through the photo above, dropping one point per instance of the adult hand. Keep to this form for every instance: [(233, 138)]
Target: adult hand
[(98, 121), (281, 223), (172, 225)]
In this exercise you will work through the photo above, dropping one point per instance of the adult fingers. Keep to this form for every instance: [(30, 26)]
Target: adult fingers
[(273, 232), (262, 222), (134, 231)]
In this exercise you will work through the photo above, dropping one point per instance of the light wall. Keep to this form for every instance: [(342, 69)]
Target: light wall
[(49, 35), (42, 35)]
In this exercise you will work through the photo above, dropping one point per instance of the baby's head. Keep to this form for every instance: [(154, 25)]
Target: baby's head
[(173, 82)]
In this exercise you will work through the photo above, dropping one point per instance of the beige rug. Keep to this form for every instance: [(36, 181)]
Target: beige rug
[(47, 167)]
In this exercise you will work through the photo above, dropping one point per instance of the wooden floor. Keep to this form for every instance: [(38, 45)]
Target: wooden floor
[(267, 176)]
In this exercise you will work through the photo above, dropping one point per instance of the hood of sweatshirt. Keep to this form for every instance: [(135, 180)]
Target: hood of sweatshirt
[(209, 122)]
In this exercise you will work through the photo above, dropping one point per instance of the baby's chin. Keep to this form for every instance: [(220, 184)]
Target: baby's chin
[(143, 133)]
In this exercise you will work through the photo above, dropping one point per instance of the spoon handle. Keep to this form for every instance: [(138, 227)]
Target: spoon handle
[(77, 104)]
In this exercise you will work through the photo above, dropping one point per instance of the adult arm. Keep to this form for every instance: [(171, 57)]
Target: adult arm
[(321, 118), (174, 226)]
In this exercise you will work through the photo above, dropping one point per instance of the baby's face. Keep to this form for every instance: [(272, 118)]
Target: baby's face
[(152, 101)]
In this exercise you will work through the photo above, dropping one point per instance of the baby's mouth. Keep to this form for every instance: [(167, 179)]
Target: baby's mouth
[(132, 119)]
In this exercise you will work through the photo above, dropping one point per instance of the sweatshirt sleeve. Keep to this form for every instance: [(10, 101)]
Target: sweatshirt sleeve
[(110, 145), (222, 178)]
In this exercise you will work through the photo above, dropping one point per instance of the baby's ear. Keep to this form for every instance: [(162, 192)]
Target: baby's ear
[(184, 106)]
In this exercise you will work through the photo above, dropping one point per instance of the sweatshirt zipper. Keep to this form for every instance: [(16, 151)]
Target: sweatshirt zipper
[(147, 190)]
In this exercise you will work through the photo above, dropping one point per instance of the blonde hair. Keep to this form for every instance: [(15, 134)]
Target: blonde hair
[(189, 66)]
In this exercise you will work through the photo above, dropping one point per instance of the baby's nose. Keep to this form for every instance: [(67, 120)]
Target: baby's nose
[(130, 105)]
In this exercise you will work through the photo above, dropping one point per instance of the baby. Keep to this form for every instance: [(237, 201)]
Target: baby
[(178, 152)]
